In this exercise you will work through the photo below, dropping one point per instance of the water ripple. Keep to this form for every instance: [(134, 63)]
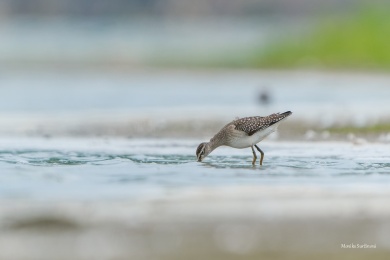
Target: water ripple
[(299, 164), (50, 158)]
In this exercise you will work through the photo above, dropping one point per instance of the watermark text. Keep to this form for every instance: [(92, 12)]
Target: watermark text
[(359, 246)]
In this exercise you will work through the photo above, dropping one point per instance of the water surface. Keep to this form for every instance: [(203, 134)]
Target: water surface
[(84, 168)]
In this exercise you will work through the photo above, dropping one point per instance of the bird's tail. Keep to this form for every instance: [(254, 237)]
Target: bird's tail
[(286, 114), (275, 118)]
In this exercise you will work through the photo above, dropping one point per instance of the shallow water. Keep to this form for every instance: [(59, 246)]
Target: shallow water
[(146, 168), (109, 198)]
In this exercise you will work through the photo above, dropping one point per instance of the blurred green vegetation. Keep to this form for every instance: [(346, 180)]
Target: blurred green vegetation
[(358, 40), (371, 129)]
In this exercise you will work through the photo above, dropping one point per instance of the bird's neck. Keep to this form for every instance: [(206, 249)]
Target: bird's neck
[(213, 144), (217, 140)]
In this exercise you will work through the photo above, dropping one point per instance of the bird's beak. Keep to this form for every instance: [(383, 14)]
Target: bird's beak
[(199, 159)]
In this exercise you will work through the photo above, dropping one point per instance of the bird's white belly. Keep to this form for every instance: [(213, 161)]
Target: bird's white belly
[(248, 141)]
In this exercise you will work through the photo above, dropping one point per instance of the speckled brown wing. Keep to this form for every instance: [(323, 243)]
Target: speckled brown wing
[(251, 125)]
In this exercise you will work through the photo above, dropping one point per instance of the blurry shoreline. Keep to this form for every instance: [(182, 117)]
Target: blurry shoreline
[(127, 127), (182, 103)]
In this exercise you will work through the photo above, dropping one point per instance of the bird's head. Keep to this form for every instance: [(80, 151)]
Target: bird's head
[(202, 151)]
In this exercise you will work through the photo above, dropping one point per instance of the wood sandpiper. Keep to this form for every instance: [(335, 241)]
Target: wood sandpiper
[(243, 133)]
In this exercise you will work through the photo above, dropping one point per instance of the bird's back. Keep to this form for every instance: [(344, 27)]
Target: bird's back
[(251, 125), (247, 131)]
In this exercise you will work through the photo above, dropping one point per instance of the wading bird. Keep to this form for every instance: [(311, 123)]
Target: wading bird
[(243, 133)]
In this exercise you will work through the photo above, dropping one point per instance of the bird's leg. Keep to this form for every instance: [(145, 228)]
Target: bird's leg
[(254, 156), (261, 152)]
